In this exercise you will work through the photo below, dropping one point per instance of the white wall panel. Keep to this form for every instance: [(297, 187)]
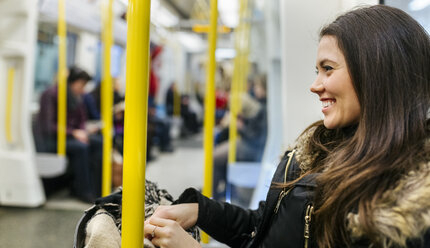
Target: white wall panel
[(19, 181), (300, 24)]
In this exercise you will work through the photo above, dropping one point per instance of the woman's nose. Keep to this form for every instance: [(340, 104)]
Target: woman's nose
[(317, 86)]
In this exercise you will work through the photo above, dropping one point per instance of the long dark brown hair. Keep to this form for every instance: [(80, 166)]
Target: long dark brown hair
[(388, 56)]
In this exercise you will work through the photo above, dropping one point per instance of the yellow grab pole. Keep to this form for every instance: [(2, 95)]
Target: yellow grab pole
[(239, 78), (244, 45), (209, 120), (245, 52), (176, 102), (135, 126), (62, 87), (107, 98), (8, 124), (233, 113)]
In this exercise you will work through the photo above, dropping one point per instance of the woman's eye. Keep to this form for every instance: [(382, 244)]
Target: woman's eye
[(327, 68), (316, 71)]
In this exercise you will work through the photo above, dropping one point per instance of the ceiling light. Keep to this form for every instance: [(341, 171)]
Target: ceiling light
[(416, 5), (229, 12), (224, 53), (192, 42)]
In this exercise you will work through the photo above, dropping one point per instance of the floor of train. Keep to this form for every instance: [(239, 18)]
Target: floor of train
[(53, 224)]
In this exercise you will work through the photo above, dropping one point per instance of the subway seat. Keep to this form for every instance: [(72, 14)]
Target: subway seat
[(50, 165), (244, 174)]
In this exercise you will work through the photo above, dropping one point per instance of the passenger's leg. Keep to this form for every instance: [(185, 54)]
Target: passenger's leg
[(96, 153), (150, 138), (163, 133), (79, 163), (220, 171)]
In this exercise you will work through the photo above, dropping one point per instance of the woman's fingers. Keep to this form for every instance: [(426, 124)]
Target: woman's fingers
[(165, 212), (184, 214), (160, 221), (159, 227), (149, 230), (167, 233)]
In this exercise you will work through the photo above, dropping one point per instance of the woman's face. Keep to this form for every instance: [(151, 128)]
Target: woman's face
[(334, 87), (259, 91), (78, 87)]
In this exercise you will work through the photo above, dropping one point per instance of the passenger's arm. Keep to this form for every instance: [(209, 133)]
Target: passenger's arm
[(226, 223), (82, 116), (48, 113), (80, 135)]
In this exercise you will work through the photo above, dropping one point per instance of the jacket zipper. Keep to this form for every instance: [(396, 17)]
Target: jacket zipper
[(308, 218), (285, 192), (281, 195)]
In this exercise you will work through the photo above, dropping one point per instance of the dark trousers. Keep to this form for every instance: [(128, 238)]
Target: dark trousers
[(85, 167), (220, 172)]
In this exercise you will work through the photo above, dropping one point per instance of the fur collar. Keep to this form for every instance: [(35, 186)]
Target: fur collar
[(403, 213)]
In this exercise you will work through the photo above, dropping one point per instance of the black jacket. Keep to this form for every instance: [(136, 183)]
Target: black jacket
[(270, 226), (267, 226)]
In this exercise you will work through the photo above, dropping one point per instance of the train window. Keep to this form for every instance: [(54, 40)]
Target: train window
[(46, 61)]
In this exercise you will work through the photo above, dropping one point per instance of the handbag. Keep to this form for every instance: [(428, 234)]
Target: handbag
[(100, 226)]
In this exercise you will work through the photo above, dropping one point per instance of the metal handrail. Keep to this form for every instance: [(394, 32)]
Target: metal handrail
[(209, 120), (239, 75), (135, 122), (62, 75), (107, 97)]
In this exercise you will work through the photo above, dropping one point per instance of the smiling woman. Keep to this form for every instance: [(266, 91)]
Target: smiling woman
[(334, 86), (360, 178)]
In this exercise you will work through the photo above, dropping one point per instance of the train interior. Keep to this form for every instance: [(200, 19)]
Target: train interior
[(264, 65)]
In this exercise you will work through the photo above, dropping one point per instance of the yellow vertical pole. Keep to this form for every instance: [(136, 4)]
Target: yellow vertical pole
[(239, 78), (8, 124), (209, 120), (245, 44), (135, 126), (107, 98), (234, 109), (62, 87), (176, 102)]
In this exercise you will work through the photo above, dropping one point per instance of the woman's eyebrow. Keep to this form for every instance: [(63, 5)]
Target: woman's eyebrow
[(323, 61)]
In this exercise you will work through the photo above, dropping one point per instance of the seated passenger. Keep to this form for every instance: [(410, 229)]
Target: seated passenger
[(189, 117), (84, 150), (252, 129), (93, 99), (221, 102), (93, 102)]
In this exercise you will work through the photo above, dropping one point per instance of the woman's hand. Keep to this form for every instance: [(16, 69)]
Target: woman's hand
[(239, 124), (166, 233), (80, 135), (185, 214)]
